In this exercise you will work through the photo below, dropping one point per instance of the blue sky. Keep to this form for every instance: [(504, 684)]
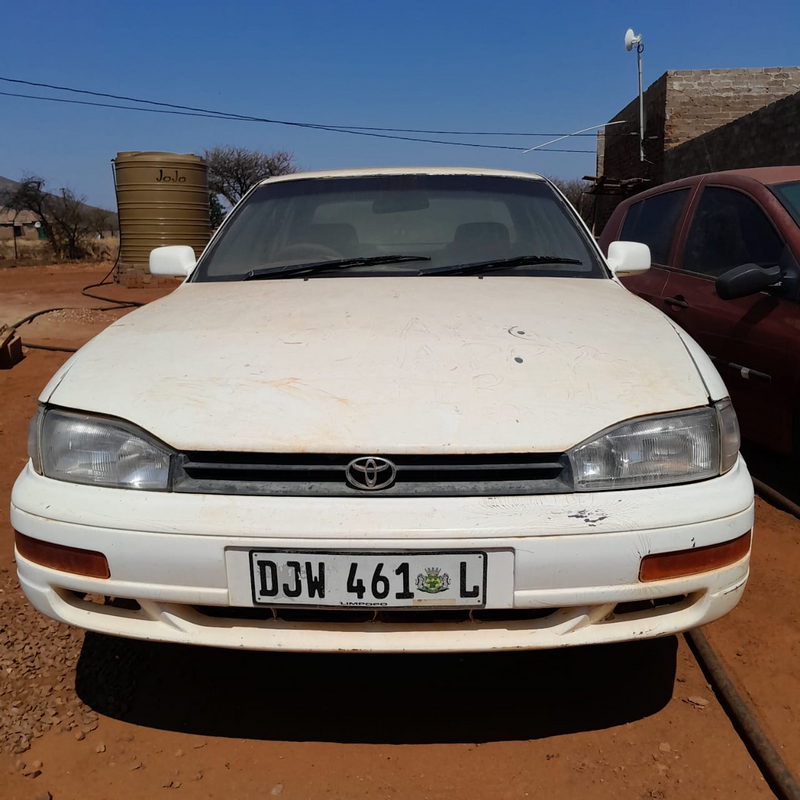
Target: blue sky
[(469, 65)]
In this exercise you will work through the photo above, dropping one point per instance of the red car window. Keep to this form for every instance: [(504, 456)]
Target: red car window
[(652, 221), (729, 229)]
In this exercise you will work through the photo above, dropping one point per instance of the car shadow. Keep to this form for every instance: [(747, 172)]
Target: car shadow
[(376, 699)]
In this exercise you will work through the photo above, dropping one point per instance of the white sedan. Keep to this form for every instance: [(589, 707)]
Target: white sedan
[(388, 410)]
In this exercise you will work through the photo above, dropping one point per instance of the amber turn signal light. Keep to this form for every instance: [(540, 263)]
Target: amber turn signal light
[(60, 557), (681, 563)]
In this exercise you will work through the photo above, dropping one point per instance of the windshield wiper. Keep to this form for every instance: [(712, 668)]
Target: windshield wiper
[(498, 263), (322, 266)]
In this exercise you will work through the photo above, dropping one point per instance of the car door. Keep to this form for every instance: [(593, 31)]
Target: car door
[(748, 337), (654, 221)]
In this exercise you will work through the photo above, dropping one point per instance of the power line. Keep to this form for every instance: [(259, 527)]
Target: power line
[(113, 105), (211, 113), (241, 118), (279, 122)]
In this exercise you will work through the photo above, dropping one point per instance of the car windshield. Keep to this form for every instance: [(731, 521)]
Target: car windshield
[(382, 225), (789, 195)]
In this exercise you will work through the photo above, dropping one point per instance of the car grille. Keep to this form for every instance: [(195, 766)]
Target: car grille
[(339, 618), (326, 616), (310, 475)]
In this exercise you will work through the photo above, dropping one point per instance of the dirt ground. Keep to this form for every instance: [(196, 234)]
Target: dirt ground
[(87, 716), (24, 290)]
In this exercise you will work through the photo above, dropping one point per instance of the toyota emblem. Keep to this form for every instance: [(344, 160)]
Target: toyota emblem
[(371, 473)]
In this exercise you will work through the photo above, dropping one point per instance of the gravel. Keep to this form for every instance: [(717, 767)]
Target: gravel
[(81, 316), (38, 657)]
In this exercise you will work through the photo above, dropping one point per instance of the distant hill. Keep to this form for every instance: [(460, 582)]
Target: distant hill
[(7, 186)]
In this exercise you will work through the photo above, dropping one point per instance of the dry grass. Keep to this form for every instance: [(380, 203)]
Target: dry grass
[(27, 250), (102, 249), (38, 250)]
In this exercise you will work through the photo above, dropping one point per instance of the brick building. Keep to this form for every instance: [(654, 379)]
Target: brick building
[(700, 121), (19, 224)]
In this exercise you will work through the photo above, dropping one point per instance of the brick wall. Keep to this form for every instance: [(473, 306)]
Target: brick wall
[(132, 277), (683, 105), (23, 232), (698, 101), (769, 137)]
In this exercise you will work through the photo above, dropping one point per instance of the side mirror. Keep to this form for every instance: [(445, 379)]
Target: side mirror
[(745, 280), (628, 258), (175, 261)]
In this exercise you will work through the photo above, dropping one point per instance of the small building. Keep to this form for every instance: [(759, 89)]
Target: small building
[(19, 224), (699, 121)]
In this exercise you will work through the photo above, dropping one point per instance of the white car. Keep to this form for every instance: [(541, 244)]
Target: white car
[(388, 410)]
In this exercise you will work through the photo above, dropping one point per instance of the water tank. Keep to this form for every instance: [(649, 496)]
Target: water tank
[(162, 199)]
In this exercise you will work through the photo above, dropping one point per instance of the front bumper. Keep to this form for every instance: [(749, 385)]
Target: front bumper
[(577, 556)]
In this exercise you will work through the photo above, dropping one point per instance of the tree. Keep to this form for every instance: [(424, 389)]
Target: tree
[(64, 216), (70, 222), (576, 191), (30, 196), (215, 210), (101, 221), (233, 170)]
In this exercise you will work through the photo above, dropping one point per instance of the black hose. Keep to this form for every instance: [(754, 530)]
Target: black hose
[(35, 314), (84, 292), (775, 772), (50, 347), (119, 303), (776, 498)]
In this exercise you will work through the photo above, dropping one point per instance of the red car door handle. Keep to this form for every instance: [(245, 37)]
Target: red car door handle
[(676, 301)]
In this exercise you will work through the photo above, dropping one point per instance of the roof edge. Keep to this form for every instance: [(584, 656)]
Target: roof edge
[(368, 171)]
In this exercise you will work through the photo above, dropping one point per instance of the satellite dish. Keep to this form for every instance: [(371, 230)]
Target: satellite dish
[(631, 39), (37, 224)]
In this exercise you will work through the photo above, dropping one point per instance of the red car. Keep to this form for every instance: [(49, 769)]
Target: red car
[(725, 249)]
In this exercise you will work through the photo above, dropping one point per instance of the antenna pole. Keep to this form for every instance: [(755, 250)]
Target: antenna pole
[(639, 49)]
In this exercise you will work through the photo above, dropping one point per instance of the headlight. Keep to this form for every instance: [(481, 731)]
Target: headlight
[(659, 451), (34, 430), (85, 449), (729, 438)]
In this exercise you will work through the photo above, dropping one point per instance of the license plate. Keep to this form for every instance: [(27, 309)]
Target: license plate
[(379, 580)]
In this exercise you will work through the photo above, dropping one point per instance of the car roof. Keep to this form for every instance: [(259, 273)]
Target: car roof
[(765, 175), (373, 171)]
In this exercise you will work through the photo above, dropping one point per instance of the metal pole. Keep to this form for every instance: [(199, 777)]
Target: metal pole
[(639, 48)]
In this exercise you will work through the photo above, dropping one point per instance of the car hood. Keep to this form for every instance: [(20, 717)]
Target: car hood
[(384, 365)]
